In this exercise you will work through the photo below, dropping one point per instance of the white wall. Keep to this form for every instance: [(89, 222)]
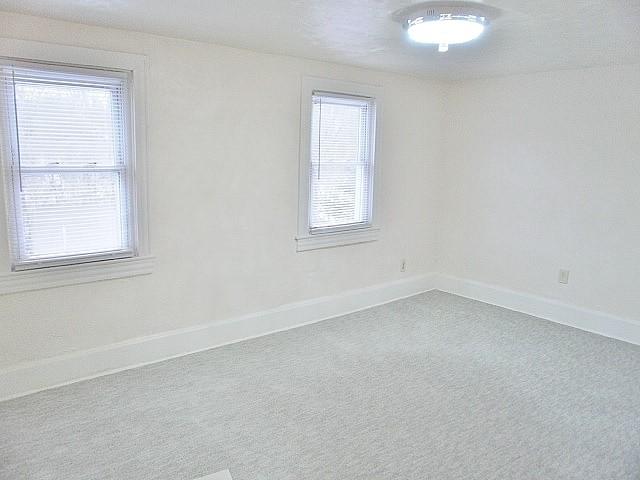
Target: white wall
[(523, 175), (542, 172), (223, 151)]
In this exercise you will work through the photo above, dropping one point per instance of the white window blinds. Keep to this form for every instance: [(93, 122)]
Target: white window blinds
[(341, 173), (67, 153)]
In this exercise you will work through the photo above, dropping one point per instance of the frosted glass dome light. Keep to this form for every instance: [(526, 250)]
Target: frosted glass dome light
[(444, 23), (445, 32)]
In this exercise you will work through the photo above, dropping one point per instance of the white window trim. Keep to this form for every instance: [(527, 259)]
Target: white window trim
[(349, 236), (26, 280), (143, 262)]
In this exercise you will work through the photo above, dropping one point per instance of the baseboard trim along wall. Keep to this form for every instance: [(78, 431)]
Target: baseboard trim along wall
[(592, 321), (31, 377), (40, 375)]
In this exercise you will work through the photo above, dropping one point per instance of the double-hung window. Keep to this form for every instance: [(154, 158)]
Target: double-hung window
[(337, 170), (66, 135), (72, 168)]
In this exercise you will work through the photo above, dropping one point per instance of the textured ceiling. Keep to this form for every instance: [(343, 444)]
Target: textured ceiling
[(529, 36)]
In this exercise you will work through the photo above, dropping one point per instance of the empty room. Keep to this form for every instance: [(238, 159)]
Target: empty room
[(319, 240)]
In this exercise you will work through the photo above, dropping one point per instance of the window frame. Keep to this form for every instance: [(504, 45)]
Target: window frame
[(98, 267), (14, 212), (342, 234)]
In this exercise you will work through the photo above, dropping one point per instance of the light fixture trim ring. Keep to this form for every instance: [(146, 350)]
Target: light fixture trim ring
[(474, 17)]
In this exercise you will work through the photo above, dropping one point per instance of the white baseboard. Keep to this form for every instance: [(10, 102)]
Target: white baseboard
[(590, 320), (40, 375)]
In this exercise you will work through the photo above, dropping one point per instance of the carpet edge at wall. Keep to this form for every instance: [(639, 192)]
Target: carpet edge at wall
[(48, 373), (31, 377)]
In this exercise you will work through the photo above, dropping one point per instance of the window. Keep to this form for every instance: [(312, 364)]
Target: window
[(69, 167), (69, 164), (73, 156), (337, 164)]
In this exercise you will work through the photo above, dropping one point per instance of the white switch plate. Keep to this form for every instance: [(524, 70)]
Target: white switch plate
[(224, 475), (563, 277)]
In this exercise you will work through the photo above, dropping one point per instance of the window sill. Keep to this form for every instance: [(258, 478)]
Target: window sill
[(338, 239), (49, 277)]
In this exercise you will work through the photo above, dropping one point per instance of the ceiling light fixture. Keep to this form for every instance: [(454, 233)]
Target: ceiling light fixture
[(445, 23)]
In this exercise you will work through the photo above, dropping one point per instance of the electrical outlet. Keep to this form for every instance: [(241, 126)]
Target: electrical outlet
[(563, 277), (403, 265)]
